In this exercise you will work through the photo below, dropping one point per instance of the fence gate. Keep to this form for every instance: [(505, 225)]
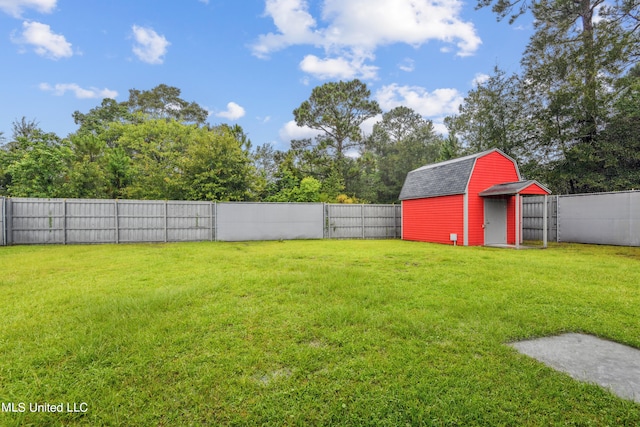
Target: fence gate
[(363, 221), (532, 218)]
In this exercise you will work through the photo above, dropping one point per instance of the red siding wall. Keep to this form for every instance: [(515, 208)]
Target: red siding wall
[(489, 170), (511, 220), (534, 189), (433, 219)]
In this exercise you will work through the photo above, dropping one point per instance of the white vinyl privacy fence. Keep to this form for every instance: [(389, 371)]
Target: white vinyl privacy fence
[(70, 221), (603, 218), (269, 221)]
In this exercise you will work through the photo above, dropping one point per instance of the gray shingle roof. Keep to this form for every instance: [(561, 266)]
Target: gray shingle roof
[(510, 188), (440, 179)]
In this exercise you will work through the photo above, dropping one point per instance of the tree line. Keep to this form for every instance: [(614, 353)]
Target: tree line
[(571, 118), (156, 145)]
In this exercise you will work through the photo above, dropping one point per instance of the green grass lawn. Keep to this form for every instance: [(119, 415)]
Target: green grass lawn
[(307, 333)]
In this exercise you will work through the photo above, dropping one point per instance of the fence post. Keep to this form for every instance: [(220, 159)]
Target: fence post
[(395, 222), (324, 220), (9, 218), (165, 221), (3, 219), (517, 220), (558, 218), (329, 220), (557, 200), (212, 214), (117, 221), (214, 223), (545, 221), (362, 217), (64, 221)]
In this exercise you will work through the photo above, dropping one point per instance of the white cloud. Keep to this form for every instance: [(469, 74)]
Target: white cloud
[(291, 131), (407, 65), (233, 112), (340, 68), (479, 79), (92, 93), (367, 125), (372, 23), (434, 106), (440, 127), (16, 7), (438, 103), (149, 47), (295, 26), (45, 42), (354, 29)]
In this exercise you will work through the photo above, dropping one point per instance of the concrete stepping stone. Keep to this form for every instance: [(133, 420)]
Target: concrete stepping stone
[(590, 359)]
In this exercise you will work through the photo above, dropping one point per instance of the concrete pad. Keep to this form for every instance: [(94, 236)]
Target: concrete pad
[(590, 359)]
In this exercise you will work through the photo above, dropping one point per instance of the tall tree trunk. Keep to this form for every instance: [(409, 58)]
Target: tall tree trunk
[(590, 99)]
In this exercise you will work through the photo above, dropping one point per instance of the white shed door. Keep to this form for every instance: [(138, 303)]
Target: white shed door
[(495, 221)]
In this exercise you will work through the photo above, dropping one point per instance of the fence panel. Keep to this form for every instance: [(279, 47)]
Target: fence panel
[(269, 221), (141, 221), (190, 221), (604, 218), (532, 217), (381, 221), (91, 221), (37, 221), (363, 221)]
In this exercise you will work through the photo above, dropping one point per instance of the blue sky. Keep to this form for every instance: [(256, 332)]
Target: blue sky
[(249, 62)]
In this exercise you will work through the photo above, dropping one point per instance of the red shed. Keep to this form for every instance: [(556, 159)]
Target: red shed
[(473, 200)]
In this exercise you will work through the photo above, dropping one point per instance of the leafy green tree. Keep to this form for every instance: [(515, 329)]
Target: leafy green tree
[(119, 172), (612, 161), (87, 178), (96, 121), (493, 116), (264, 160), (578, 51), (154, 147), (307, 190), (400, 142), (164, 102), (214, 166), (161, 102), (25, 130), (449, 148), (36, 164), (338, 110), (168, 159)]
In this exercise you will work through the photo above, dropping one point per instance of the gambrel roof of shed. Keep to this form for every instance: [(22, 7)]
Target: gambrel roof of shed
[(441, 179)]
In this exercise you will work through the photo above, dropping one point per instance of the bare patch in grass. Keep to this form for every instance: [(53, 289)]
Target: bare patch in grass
[(265, 379)]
